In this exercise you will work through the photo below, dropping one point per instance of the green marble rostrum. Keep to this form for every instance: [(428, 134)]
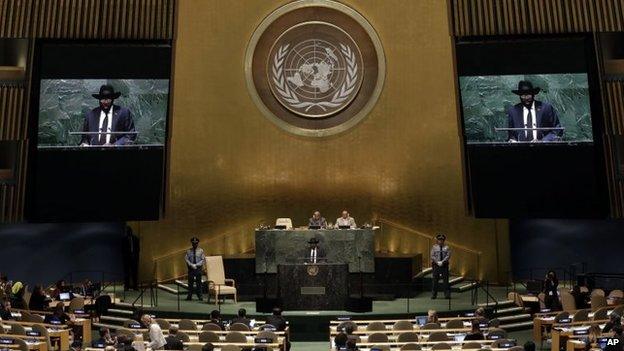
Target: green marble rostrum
[(63, 104), (485, 100)]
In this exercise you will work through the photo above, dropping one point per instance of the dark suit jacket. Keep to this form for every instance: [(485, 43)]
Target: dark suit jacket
[(320, 254), (546, 117), (173, 343), (122, 122), (277, 321)]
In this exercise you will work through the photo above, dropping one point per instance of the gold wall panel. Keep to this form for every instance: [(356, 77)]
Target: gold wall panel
[(231, 169), (498, 17), (614, 126)]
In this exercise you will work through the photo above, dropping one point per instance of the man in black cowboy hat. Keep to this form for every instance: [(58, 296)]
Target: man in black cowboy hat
[(314, 253), (195, 259), (530, 113), (108, 117), (440, 255)]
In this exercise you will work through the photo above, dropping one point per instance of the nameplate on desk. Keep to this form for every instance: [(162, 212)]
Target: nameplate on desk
[(134, 326), (312, 290), (33, 333), (581, 331), (4, 341)]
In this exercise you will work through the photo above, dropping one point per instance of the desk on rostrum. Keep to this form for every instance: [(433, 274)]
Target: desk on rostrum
[(314, 286)]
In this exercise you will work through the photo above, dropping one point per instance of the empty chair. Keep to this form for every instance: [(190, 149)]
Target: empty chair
[(516, 348), (218, 284), (77, 303), (494, 323), (267, 326), (567, 301), (230, 348), (581, 316), (455, 324), (438, 336), (239, 327), (601, 314), (267, 334), (411, 347), (31, 318), (408, 337), (164, 325), (403, 325), (617, 293), (208, 336), (211, 326), (287, 222), (441, 346), (561, 315), (347, 326), (431, 326), (381, 347), (496, 333), (21, 344), (378, 337), (597, 302), (598, 292), (235, 336), (43, 331), (125, 332), (375, 326), (471, 345), (183, 336), (17, 329), (187, 324)]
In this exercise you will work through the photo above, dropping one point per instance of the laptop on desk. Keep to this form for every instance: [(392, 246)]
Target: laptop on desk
[(64, 296), (344, 227), (314, 227)]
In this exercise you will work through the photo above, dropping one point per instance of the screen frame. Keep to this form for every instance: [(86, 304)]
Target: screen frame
[(37, 75)]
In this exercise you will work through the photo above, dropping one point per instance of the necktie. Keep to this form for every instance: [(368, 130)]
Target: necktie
[(104, 129), (194, 257), (529, 133), (313, 255)]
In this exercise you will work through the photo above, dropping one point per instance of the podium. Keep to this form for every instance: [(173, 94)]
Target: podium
[(318, 286)]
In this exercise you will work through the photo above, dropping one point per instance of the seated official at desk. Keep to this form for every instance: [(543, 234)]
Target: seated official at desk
[(475, 332), (317, 220), (314, 253), (242, 318), (345, 220)]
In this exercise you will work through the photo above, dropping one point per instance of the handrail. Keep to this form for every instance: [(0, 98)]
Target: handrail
[(426, 236), (476, 254)]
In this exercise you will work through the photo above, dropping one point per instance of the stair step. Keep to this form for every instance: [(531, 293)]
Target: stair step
[(509, 310), (120, 311), (456, 280), (515, 317), (467, 286), (499, 303)]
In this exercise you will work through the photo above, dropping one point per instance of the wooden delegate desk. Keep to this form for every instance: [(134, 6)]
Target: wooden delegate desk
[(355, 247), (319, 286), (38, 343)]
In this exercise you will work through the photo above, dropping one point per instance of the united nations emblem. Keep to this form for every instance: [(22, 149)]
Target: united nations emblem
[(313, 270), (315, 67), (315, 77)]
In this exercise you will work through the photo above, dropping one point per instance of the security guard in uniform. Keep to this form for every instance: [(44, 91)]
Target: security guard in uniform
[(440, 256), (195, 259)]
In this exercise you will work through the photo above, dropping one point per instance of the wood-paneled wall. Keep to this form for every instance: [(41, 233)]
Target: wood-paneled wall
[(87, 19), (506, 17), (614, 128), (64, 19)]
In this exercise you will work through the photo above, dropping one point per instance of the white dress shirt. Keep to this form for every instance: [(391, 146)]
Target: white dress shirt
[(525, 113), (157, 339), (109, 127), (313, 255), (345, 221)]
